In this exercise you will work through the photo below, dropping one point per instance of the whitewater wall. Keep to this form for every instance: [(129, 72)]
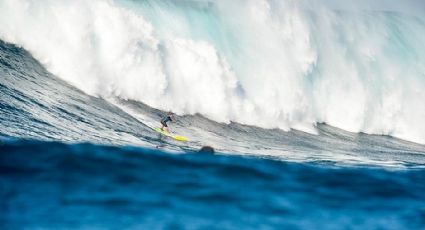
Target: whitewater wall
[(274, 64)]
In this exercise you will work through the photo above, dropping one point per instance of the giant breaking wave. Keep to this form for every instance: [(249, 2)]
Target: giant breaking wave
[(273, 64)]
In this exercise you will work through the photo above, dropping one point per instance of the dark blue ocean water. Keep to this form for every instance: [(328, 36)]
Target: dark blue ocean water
[(83, 186), (127, 176)]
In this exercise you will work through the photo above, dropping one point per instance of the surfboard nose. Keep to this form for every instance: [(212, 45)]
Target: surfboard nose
[(180, 138)]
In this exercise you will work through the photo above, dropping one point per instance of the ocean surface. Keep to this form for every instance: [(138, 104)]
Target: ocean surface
[(316, 115), (52, 185)]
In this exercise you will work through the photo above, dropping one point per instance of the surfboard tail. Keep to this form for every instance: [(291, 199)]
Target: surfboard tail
[(176, 137)]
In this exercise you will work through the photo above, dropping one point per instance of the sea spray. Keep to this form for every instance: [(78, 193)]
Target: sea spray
[(273, 64)]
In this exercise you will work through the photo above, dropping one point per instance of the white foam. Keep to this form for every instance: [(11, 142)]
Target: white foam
[(274, 64)]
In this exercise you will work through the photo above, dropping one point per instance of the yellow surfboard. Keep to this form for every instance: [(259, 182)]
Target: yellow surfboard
[(176, 137)]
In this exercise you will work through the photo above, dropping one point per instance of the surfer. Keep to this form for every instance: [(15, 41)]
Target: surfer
[(164, 120)]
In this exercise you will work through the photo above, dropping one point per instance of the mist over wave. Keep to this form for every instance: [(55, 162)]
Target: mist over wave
[(273, 64)]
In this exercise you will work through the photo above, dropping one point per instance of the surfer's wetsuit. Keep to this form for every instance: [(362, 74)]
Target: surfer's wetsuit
[(165, 120)]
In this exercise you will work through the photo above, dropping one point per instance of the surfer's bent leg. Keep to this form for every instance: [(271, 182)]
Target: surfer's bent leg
[(164, 126)]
